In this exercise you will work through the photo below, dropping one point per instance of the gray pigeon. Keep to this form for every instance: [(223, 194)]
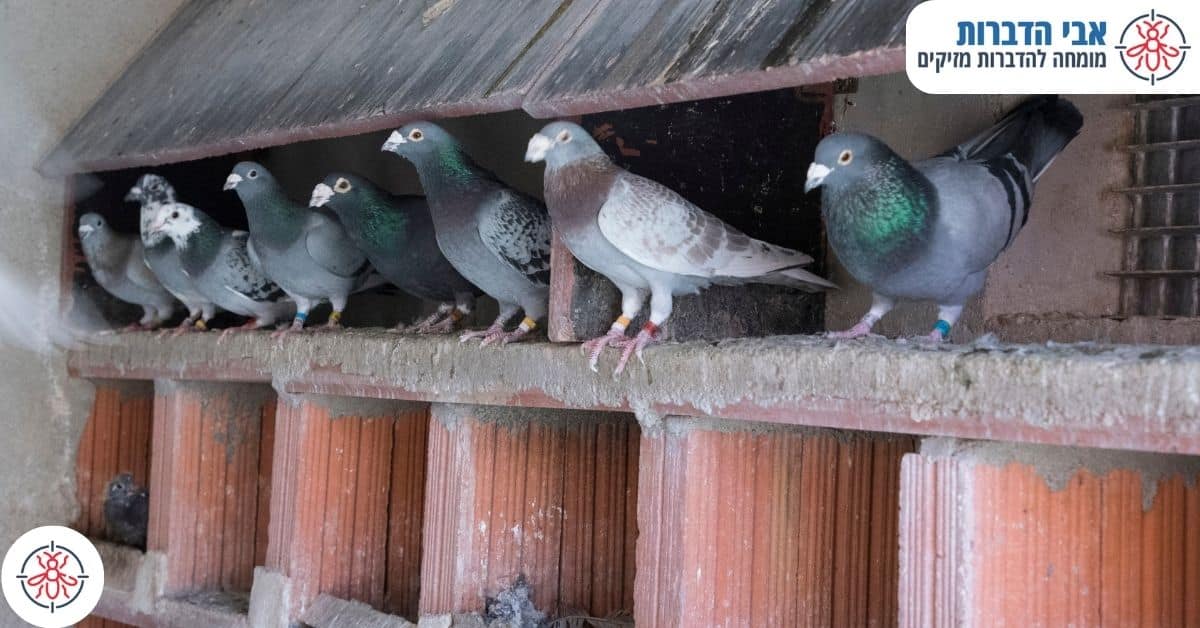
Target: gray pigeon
[(929, 230), (126, 511), (306, 252), (219, 264), (646, 238), (119, 266), (396, 234), (151, 191), (498, 238)]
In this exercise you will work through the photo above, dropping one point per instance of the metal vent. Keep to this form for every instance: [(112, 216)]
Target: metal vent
[(1161, 273)]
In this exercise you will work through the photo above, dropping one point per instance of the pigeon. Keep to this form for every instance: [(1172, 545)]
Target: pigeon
[(126, 511), (396, 234), (929, 230), (306, 252), (498, 238), (646, 238), (162, 257), (119, 266), (218, 261)]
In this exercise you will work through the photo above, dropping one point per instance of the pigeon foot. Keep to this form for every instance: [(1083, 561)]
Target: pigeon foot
[(494, 330), (250, 325), (935, 337), (594, 347), (858, 331), (444, 326), (633, 346)]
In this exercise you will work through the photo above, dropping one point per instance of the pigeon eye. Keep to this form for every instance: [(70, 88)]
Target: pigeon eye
[(342, 185), (416, 135), (846, 157), (252, 174), (564, 137), (174, 215)]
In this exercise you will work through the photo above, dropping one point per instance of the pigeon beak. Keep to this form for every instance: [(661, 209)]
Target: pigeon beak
[(816, 176), (85, 231), (394, 141), (134, 194), (539, 145), (232, 181), (321, 195), (158, 226)]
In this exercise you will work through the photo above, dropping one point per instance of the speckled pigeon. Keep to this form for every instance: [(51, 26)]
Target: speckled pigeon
[(218, 262), (498, 238), (306, 252), (152, 191), (119, 266), (396, 234), (646, 238), (929, 230), (126, 511)]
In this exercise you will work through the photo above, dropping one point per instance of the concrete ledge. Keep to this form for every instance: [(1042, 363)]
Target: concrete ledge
[(1124, 397)]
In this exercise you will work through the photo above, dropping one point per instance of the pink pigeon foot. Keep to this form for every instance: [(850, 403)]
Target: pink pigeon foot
[(444, 326), (858, 331), (935, 336), (250, 325), (506, 337), (594, 347), (633, 346), (495, 330)]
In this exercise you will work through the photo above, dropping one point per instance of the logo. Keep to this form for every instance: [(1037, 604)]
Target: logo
[(52, 577), (1153, 47)]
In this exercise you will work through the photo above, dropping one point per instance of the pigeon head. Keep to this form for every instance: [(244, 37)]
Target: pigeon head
[(122, 485), (843, 158), (91, 224), (560, 143), (417, 140), (342, 192), (177, 222), (248, 179), (151, 189)]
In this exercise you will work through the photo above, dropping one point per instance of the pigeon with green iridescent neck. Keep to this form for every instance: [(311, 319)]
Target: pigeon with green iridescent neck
[(929, 230), (646, 238), (119, 266), (496, 237), (396, 234), (218, 262), (306, 252), (153, 191)]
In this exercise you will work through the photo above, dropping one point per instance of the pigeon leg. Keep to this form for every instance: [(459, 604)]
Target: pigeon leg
[(517, 335), (507, 311), (335, 317), (947, 316), (302, 307), (186, 325), (422, 326), (880, 305), (250, 325), (447, 324), (631, 304), (631, 346)]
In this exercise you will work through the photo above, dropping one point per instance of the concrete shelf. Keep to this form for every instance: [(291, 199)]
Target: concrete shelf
[(1121, 397)]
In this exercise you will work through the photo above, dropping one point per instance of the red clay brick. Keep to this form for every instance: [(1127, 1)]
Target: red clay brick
[(546, 494), (206, 487), (116, 439), (742, 526), (990, 541), (346, 505)]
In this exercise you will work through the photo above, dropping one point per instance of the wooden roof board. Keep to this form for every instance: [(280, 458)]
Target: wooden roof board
[(233, 75)]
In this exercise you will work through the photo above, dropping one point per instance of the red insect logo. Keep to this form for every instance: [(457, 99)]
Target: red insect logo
[(1156, 51), (52, 576)]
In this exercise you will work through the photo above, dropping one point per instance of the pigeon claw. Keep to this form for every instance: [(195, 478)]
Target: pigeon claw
[(858, 331), (935, 337), (632, 346), (492, 332), (594, 347), (444, 326)]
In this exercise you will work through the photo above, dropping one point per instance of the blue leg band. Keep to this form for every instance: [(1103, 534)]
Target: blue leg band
[(303, 316), (943, 328)]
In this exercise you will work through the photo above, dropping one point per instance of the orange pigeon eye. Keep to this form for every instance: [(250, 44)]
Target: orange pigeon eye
[(846, 157)]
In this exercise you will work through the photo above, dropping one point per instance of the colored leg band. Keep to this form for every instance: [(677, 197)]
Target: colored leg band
[(528, 324), (456, 315), (622, 323), (335, 316), (301, 316), (942, 327), (650, 328), (201, 325)]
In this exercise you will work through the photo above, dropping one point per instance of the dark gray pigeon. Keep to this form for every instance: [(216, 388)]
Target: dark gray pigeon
[(929, 230), (219, 264), (126, 511), (119, 266), (647, 239), (396, 234), (152, 191), (306, 252), (498, 238)]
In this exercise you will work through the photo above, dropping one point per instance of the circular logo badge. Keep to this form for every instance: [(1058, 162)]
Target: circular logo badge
[(52, 577), (1153, 47)]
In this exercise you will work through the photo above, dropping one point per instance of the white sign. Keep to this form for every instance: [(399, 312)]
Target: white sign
[(52, 577), (1054, 47)]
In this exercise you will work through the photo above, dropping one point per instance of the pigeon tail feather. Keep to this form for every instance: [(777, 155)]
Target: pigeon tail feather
[(1034, 132), (791, 277)]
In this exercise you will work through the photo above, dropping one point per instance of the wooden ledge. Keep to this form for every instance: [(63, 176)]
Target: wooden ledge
[(1121, 397)]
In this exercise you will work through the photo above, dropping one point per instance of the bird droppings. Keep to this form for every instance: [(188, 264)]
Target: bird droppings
[(1058, 465), (513, 607), (1066, 394)]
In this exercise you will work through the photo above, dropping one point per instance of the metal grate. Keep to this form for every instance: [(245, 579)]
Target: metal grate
[(1161, 271)]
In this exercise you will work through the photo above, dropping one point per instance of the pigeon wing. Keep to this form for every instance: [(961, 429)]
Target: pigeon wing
[(327, 243), (517, 230), (240, 273), (138, 271), (656, 227)]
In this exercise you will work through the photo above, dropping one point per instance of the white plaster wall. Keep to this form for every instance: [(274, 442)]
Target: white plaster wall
[(56, 58)]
